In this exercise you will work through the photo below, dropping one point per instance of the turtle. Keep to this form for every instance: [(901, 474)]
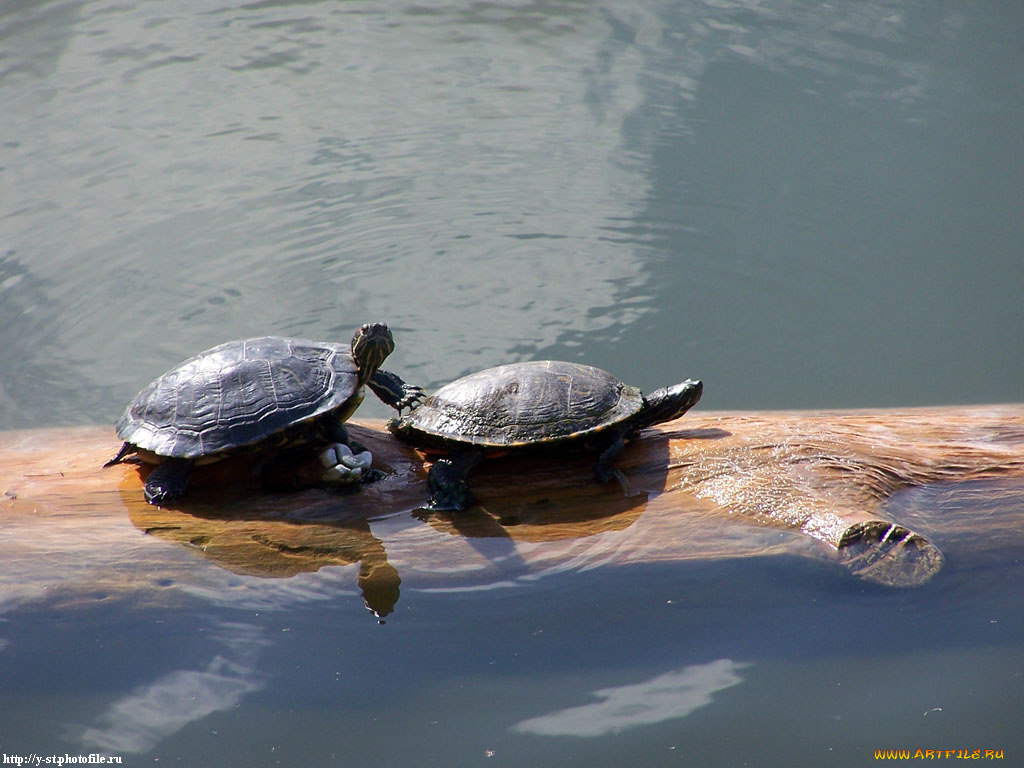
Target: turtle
[(258, 394), (531, 407)]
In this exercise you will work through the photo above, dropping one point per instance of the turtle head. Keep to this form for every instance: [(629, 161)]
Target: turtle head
[(671, 402), (371, 344)]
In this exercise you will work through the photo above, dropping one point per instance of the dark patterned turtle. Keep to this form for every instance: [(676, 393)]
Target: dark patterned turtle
[(254, 394), (527, 407)]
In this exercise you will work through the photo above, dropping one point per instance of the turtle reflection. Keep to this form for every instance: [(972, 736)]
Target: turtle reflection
[(253, 545), (243, 533)]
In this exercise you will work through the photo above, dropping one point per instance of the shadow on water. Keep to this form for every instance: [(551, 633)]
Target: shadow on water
[(275, 535)]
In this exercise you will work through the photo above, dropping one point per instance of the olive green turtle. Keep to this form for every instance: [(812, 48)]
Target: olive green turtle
[(259, 394), (532, 407)]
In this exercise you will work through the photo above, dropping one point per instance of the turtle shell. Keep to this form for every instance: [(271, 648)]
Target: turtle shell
[(522, 404), (240, 393)]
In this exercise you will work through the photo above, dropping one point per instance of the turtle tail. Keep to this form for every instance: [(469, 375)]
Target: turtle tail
[(125, 450)]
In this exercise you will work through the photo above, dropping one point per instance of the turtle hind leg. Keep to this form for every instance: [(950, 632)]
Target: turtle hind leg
[(447, 478), (168, 480), (393, 391), (332, 431), (606, 472), (344, 466)]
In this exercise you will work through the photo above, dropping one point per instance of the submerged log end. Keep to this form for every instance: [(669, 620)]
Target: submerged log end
[(889, 554)]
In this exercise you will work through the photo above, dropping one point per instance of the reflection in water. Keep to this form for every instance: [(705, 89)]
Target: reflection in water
[(672, 695), (223, 589), (140, 720), (279, 548), (285, 537)]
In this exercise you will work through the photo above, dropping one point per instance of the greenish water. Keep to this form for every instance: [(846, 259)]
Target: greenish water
[(803, 205)]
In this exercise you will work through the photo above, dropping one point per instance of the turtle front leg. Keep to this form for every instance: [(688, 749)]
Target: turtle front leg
[(605, 471), (447, 479), (393, 391), (168, 480)]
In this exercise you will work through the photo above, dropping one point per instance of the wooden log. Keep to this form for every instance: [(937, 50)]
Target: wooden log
[(709, 485)]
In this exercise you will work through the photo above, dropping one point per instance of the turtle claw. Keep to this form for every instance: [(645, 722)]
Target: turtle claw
[(411, 398), (157, 495), (449, 491), (343, 467), (390, 388), (167, 481), (607, 475), (455, 498)]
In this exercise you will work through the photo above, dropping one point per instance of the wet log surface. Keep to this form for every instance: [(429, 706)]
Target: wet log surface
[(710, 485)]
